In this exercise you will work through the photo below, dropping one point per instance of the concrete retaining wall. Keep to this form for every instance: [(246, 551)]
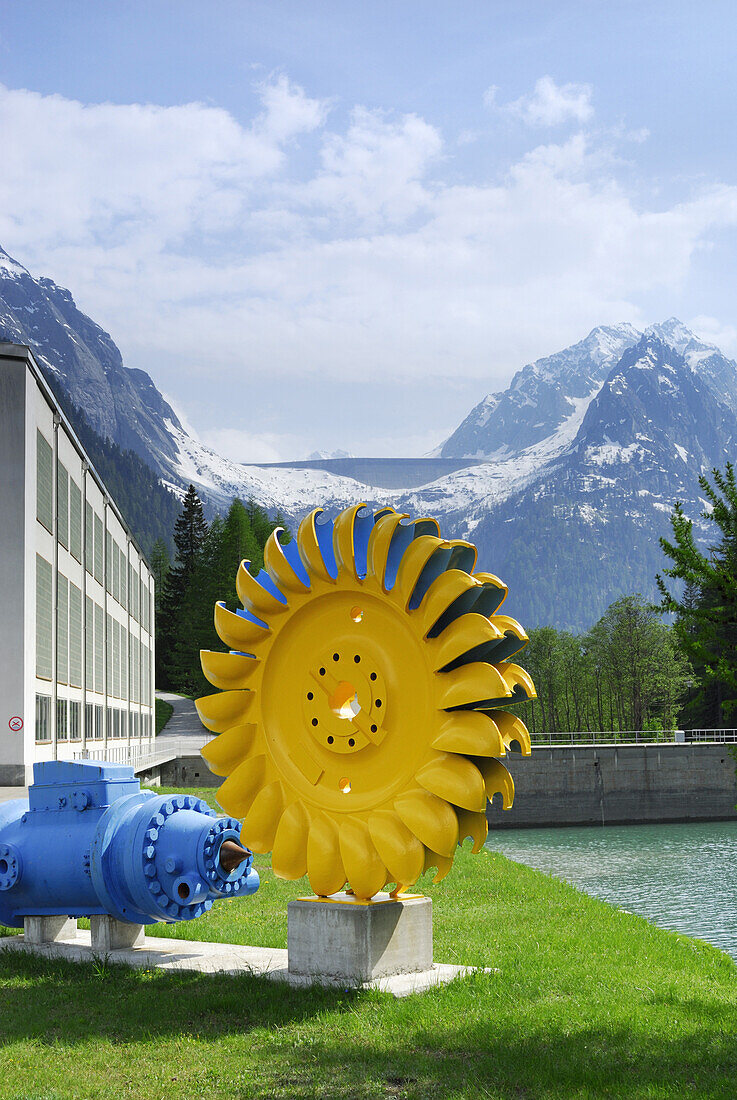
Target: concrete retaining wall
[(188, 771), (585, 785), (609, 786)]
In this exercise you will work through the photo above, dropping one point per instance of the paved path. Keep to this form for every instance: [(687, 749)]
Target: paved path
[(184, 722), (7, 794)]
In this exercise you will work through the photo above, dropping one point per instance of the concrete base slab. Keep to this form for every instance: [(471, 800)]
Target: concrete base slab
[(352, 940), (225, 958)]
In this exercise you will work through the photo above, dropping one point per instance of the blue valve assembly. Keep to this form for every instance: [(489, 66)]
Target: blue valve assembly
[(89, 841)]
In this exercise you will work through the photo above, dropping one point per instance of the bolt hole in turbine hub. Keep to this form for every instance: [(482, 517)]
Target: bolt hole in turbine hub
[(367, 637)]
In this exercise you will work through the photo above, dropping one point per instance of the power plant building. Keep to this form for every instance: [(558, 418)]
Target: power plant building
[(76, 593)]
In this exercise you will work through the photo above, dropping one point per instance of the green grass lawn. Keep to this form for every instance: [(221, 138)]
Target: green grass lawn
[(163, 713), (584, 1001)]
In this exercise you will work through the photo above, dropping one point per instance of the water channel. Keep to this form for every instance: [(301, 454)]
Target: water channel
[(679, 876)]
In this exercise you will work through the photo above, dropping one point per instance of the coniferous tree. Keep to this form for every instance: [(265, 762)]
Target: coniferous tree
[(160, 566), (183, 599), (205, 572), (706, 613), (239, 543)]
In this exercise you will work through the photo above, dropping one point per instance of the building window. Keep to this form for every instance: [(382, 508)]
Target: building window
[(75, 734), (116, 659), (123, 580), (108, 657), (99, 733), (44, 605), (75, 520), (89, 644), (116, 572), (99, 650), (89, 721), (123, 663), (75, 636), (109, 563), (89, 538), (43, 718), (62, 730), (124, 723), (98, 549), (44, 471), (62, 504), (62, 629)]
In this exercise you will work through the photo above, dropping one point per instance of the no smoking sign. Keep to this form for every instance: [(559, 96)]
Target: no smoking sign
[(16, 723)]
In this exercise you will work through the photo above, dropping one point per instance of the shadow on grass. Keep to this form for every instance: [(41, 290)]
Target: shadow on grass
[(122, 1004), (334, 1043), (492, 1062)]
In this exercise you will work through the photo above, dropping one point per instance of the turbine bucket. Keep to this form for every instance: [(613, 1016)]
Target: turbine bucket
[(358, 716)]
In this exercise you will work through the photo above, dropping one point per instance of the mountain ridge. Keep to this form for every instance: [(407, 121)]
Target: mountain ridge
[(565, 480)]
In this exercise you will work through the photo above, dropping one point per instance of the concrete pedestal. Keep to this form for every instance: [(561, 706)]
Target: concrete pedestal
[(108, 934), (342, 939), (49, 929)]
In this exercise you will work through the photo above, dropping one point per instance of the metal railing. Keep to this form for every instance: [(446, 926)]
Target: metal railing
[(148, 755), (722, 736), (634, 737)]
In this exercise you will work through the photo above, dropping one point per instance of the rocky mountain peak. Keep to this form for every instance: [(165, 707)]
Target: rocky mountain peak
[(77, 354)]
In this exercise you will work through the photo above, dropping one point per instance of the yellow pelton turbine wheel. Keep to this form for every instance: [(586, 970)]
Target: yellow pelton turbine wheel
[(360, 714)]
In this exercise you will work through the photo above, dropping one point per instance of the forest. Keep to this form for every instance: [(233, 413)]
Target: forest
[(203, 571), (641, 667)]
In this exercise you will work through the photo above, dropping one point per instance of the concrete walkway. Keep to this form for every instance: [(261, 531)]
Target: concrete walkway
[(226, 958), (7, 794), (184, 722)]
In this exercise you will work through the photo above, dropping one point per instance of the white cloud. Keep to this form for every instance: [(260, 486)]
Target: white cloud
[(549, 104), (213, 261), (375, 170), (244, 446), (490, 100), (288, 111), (137, 176), (713, 331)]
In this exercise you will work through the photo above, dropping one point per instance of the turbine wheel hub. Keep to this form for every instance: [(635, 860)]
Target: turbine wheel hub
[(345, 699), (325, 677)]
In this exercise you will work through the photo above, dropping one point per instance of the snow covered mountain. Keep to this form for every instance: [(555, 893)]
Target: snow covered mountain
[(545, 398), (564, 481), (586, 528)]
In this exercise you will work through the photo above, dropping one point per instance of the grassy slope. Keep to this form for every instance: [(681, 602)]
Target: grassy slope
[(585, 1001), (163, 712)]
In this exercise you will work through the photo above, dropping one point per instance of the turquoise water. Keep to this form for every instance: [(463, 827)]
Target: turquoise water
[(679, 876)]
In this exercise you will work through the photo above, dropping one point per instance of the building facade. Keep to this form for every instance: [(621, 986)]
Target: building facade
[(76, 594)]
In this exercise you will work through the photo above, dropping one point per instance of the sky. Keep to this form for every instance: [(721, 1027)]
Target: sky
[(338, 225)]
